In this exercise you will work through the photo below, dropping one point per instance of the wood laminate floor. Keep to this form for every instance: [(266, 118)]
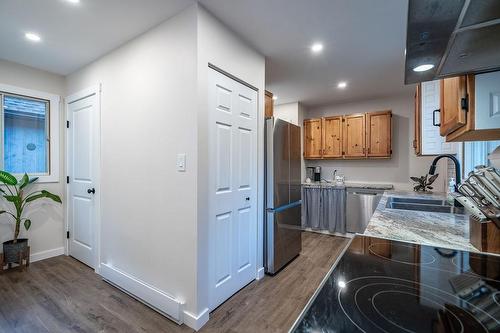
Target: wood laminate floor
[(62, 295), (273, 303)]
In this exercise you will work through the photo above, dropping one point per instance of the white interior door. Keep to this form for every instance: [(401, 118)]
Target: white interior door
[(83, 170), (233, 181)]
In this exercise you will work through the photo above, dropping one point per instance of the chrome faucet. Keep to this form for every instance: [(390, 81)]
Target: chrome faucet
[(334, 175)]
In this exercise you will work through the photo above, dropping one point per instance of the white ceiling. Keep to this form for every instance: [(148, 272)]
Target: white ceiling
[(75, 34), (363, 39), (364, 42)]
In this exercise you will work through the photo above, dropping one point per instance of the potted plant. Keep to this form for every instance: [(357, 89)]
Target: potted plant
[(16, 193), (423, 184)]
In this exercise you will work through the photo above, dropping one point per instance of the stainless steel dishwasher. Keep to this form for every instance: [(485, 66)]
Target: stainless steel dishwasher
[(360, 206)]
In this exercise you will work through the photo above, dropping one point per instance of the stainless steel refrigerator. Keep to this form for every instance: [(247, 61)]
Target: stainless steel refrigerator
[(283, 240)]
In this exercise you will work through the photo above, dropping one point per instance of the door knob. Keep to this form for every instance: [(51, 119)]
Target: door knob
[(247, 198), (91, 190)]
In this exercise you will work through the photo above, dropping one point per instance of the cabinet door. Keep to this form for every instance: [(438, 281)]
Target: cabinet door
[(483, 111), (417, 141), (269, 105), (452, 115), (378, 133), (332, 137), (312, 138), (354, 136), (432, 143)]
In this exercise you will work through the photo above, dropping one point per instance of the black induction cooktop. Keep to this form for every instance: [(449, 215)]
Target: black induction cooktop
[(389, 286)]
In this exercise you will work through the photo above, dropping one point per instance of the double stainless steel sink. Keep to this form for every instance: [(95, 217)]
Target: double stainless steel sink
[(423, 205)]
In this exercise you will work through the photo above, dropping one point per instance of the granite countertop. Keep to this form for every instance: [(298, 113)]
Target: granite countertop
[(428, 228), (371, 186)]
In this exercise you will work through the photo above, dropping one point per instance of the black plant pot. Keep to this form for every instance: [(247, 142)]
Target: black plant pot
[(12, 250)]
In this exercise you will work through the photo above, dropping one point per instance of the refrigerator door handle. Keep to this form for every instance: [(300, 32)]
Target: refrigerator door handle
[(284, 207)]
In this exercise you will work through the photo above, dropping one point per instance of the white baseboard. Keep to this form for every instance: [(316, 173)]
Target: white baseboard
[(260, 273), (149, 295), (196, 322), (46, 254)]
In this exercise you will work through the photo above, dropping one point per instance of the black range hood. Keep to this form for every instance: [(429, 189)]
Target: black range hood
[(456, 36)]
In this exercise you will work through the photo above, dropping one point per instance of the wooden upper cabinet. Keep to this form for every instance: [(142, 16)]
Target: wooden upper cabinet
[(481, 108), (428, 140), (354, 136), (452, 113), (417, 141), (313, 138), (269, 105), (332, 137), (378, 134)]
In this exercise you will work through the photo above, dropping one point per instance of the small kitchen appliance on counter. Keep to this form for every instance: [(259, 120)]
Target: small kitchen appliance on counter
[(317, 174), (381, 285), (310, 173)]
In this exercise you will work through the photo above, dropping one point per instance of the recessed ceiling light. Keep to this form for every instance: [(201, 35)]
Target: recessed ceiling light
[(317, 47), (275, 97), (73, 1), (32, 37), (342, 85), (423, 68)]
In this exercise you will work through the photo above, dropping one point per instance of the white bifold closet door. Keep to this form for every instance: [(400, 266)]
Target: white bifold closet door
[(233, 186)]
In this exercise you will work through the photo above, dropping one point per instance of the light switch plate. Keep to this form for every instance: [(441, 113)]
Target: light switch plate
[(181, 162)]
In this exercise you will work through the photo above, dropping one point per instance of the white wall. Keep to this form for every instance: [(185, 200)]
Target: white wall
[(403, 164), (154, 105), (46, 236), (288, 112), (148, 116), (219, 46), (293, 113)]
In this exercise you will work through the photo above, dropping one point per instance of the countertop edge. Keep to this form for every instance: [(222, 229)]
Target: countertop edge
[(370, 186), (446, 230)]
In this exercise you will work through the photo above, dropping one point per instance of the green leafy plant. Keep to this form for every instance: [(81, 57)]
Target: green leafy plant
[(16, 192), (424, 183)]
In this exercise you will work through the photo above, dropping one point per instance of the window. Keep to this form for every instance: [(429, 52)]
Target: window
[(26, 135), (476, 153), (29, 137)]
